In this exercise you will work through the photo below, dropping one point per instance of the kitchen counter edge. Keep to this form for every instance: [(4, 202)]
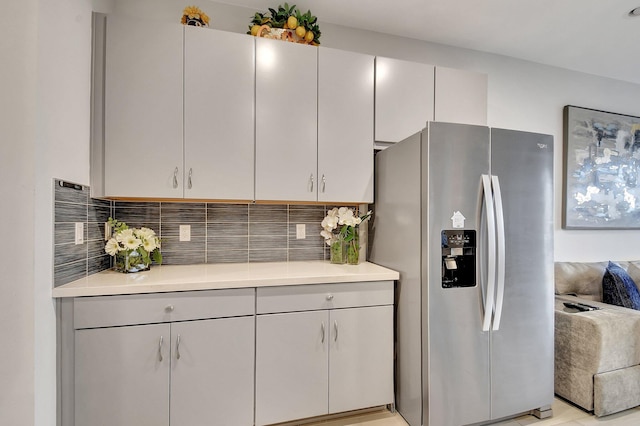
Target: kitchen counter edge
[(168, 278)]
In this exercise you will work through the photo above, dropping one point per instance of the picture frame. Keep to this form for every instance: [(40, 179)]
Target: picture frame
[(601, 170)]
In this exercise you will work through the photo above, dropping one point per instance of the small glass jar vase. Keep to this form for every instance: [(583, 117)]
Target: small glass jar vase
[(130, 261), (353, 249), (337, 251)]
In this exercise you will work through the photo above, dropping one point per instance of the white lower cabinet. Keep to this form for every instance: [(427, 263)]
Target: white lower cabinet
[(292, 379), (177, 373), (120, 378), (361, 358), (227, 357), (333, 359), (212, 372)]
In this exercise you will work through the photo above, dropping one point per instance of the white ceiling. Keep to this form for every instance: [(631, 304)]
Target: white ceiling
[(592, 36)]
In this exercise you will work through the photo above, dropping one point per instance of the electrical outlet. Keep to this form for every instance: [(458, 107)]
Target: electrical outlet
[(301, 231), (79, 233), (185, 232), (107, 231)]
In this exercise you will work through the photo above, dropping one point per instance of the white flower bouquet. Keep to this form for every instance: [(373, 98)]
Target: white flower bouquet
[(133, 248), (345, 244)]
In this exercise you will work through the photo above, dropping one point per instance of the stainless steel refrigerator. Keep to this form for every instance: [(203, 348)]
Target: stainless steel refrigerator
[(465, 214)]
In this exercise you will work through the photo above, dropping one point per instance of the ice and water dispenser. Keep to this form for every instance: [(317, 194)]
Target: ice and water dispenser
[(458, 258)]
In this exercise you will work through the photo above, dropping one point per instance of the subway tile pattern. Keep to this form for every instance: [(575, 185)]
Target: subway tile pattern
[(220, 232)]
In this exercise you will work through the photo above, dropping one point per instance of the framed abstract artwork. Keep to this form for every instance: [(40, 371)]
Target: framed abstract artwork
[(601, 170)]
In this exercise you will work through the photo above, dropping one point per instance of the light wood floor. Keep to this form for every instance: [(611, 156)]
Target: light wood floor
[(564, 414)]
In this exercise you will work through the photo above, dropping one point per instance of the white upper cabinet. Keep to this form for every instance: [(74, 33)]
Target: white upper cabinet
[(143, 109), (218, 114), (460, 96), (404, 98), (286, 121), (345, 126)]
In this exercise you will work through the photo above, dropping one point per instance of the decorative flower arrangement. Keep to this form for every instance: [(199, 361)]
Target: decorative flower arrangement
[(345, 244), (133, 248), (286, 23), (192, 15)]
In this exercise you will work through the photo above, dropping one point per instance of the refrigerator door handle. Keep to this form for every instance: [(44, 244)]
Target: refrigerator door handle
[(491, 248), (497, 198)]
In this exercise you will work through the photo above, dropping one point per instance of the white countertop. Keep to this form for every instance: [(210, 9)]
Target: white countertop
[(217, 276)]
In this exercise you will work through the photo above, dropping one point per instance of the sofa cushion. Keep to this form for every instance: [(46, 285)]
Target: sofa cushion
[(634, 272), (583, 279), (618, 288)]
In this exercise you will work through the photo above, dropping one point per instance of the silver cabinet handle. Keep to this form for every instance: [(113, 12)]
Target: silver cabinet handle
[(329, 296), (335, 329), (322, 327), (311, 183), (189, 182), (169, 308), (178, 347), (324, 183), (175, 178), (160, 349)]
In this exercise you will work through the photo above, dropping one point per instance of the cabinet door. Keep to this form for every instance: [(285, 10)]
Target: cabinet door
[(286, 121), (404, 98), (218, 114), (460, 96), (360, 358), (345, 126), (122, 376), (291, 366), (143, 109), (212, 372)]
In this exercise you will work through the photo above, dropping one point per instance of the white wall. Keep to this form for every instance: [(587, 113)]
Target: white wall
[(62, 151), (17, 119)]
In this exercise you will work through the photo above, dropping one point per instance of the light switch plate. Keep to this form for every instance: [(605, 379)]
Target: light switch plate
[(185, 232), (301, 231), (79, 233)]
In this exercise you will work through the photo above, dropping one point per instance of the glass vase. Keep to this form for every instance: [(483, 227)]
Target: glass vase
[(130, 261), (353, 249), (337, 251)]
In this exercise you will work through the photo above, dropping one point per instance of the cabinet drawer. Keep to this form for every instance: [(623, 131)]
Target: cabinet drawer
[(107, 311), (323, 296)]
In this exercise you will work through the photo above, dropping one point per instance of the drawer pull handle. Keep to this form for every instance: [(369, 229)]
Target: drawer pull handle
[(190, 185), (169, 308), (322, 327), (329, 296), (335, 329), (178, 347), (160, 349)]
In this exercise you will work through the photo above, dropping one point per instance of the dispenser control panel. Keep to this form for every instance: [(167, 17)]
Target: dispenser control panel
[(458, 258)]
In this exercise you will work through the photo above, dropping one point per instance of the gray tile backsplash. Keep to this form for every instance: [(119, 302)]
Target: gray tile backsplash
[(220, 233)]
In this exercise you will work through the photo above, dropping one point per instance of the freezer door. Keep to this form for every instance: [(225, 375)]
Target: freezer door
[(522, 347), (456, 351)]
